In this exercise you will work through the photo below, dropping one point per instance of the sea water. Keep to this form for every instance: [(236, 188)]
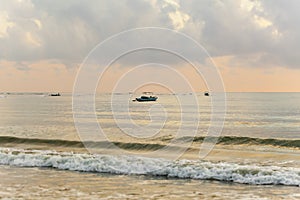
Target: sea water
[(257, 155)]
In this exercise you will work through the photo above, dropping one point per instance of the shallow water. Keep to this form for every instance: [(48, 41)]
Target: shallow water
[(36, 183)]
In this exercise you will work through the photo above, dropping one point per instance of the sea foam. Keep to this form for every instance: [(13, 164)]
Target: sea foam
[(122, 164)]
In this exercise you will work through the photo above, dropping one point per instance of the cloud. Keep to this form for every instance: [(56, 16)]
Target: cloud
[(4, 24), (252, 33), (21, 66)]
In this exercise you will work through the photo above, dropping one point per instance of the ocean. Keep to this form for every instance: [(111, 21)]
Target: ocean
[(44, 154)]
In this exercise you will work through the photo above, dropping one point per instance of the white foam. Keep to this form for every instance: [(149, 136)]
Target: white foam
[(239, 173)]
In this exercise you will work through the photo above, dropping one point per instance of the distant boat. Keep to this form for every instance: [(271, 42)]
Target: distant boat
[(206, 94), (54, 95), (146, 98)]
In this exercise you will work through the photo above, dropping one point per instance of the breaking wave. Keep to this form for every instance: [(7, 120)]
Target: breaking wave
[(135, 165)]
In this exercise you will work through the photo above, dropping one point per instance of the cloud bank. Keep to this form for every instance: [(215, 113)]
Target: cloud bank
[(247, 33)]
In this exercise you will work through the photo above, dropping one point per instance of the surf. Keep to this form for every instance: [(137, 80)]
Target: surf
[(136, 165)]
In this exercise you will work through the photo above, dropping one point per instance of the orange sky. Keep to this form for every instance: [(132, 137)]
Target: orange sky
[(48, 77)]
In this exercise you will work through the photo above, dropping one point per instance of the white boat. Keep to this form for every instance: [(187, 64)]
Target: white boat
[(146, 98)]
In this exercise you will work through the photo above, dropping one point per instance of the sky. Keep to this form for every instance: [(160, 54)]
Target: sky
[(254, 45)]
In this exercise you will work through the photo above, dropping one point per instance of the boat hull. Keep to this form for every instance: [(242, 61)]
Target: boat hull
[(144, 100)]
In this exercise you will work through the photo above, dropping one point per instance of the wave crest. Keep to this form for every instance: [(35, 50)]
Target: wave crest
[(221, 171)]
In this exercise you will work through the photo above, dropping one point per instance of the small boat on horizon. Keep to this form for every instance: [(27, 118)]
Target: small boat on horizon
[(144, 98), (55, 95)]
